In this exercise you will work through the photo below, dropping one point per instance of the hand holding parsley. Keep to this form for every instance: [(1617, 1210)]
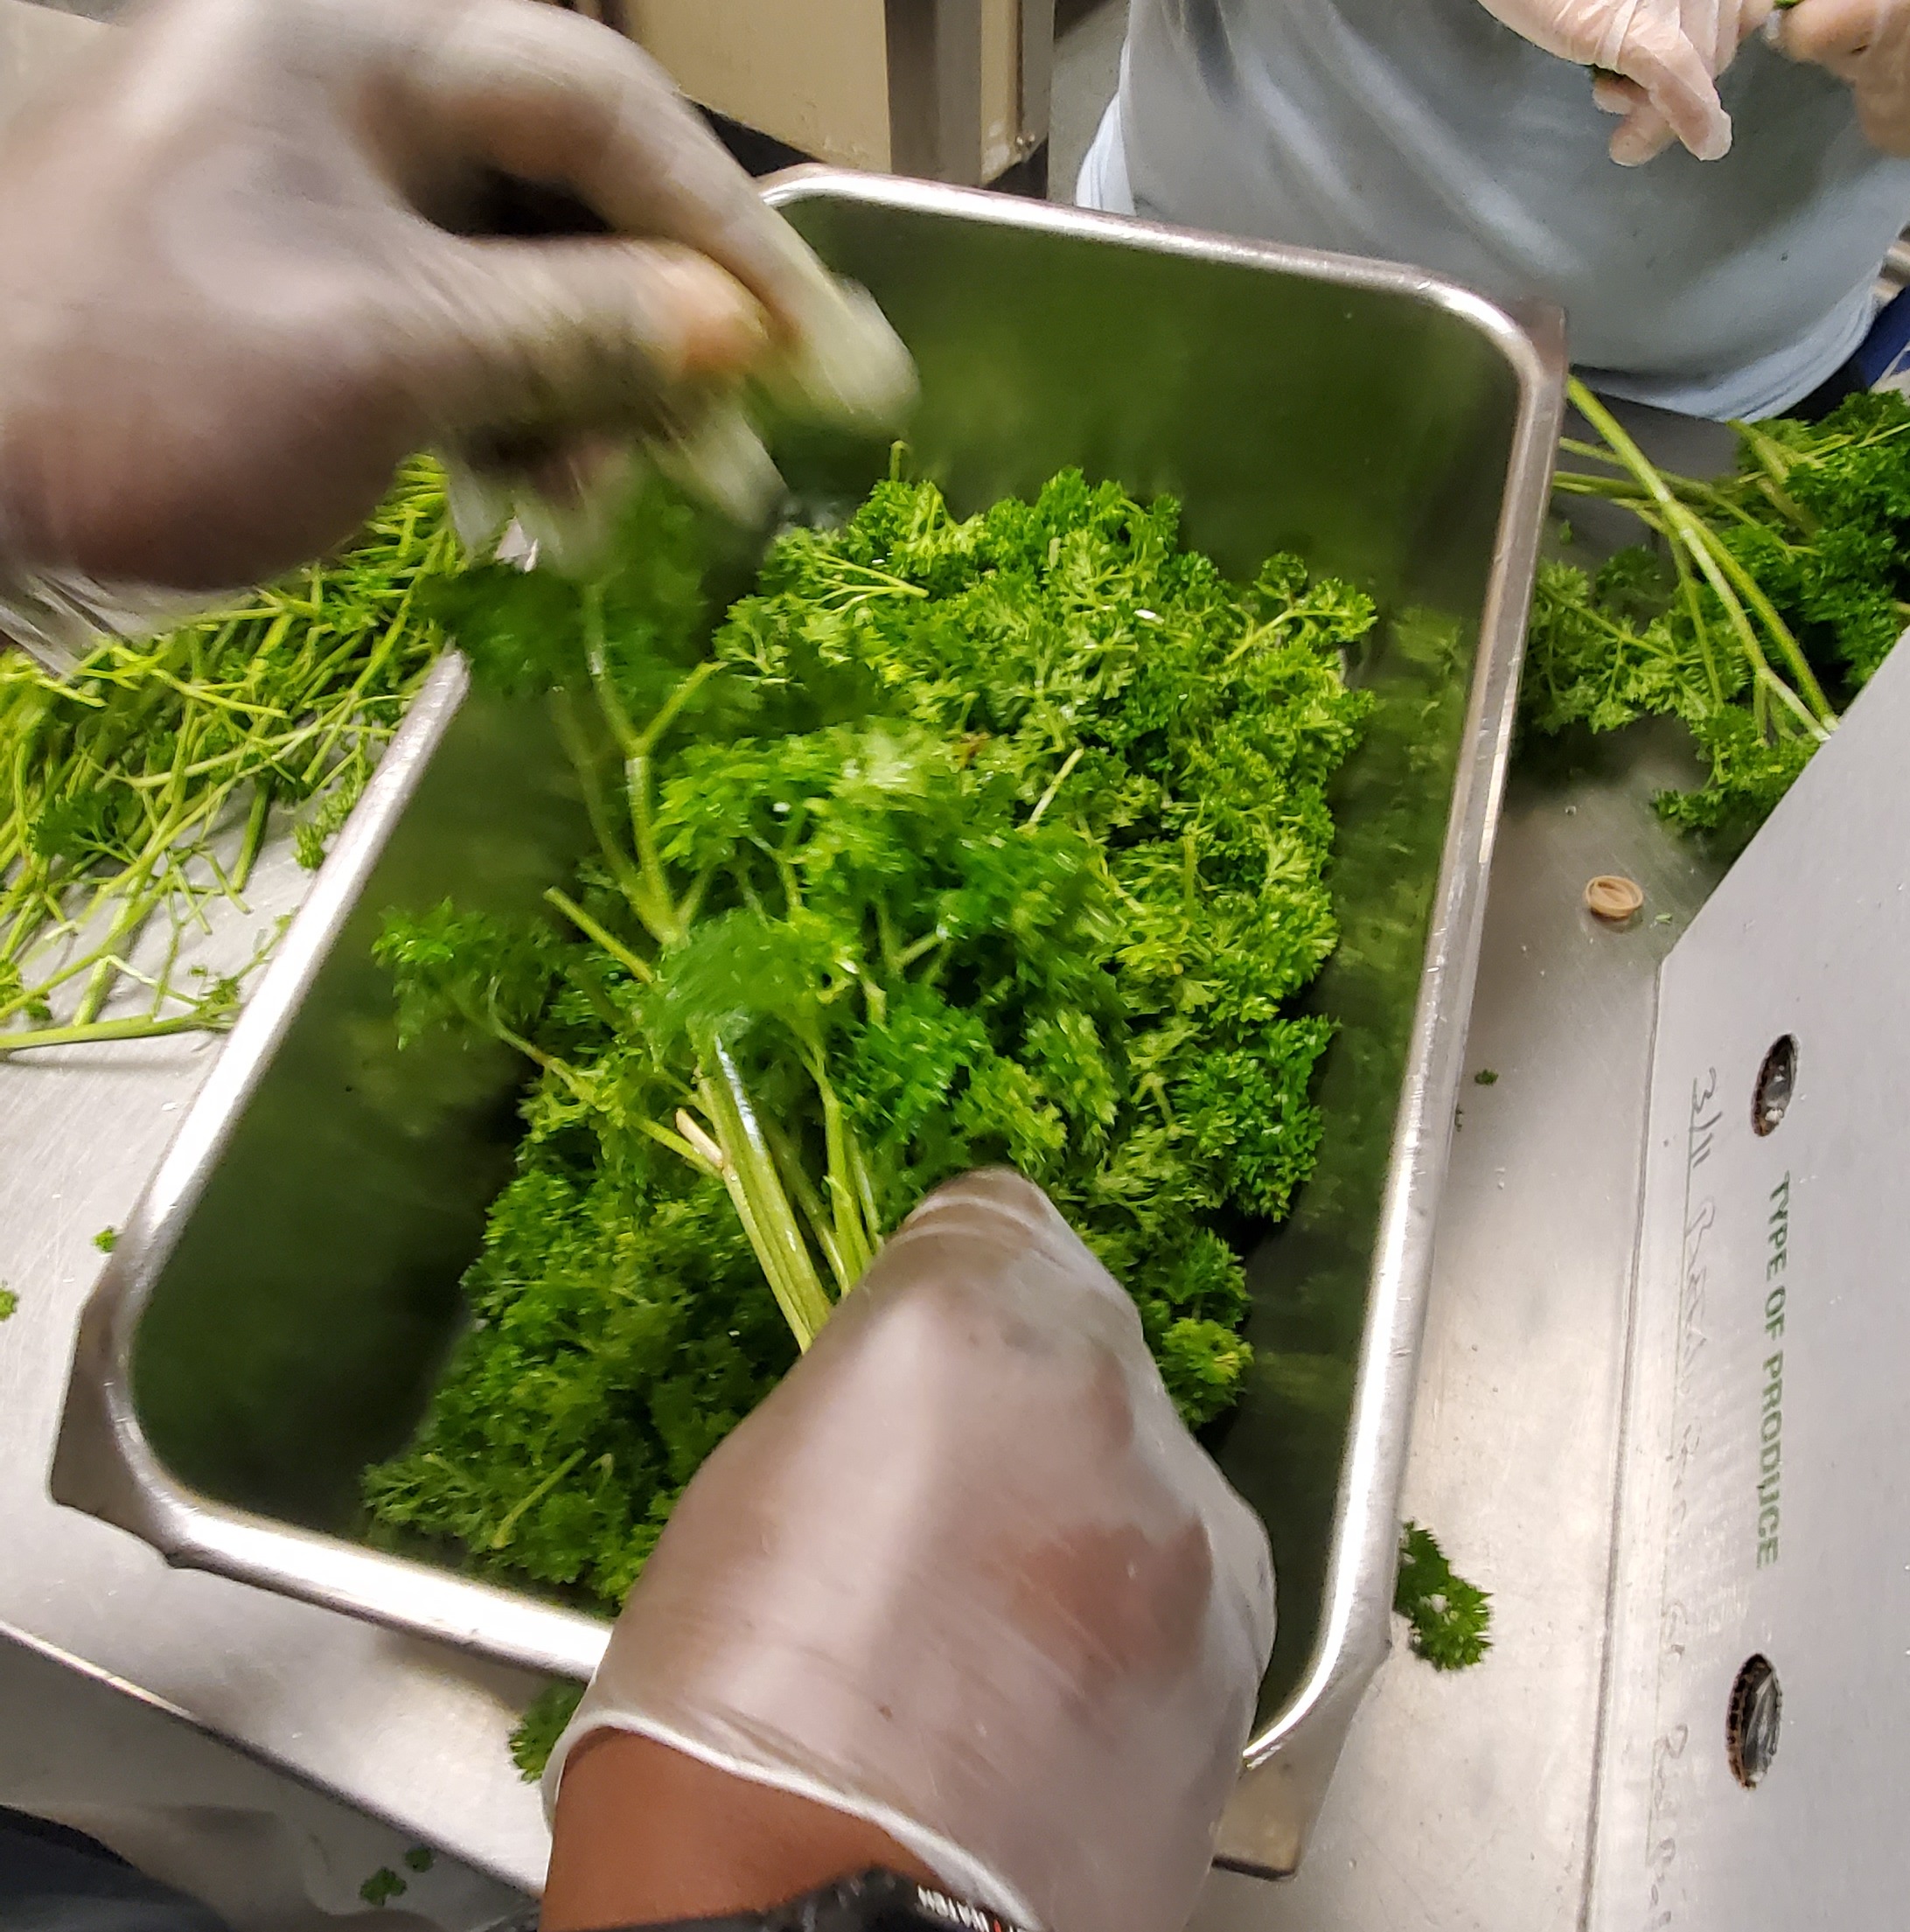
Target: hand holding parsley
[(251, 257), (964, 1575)]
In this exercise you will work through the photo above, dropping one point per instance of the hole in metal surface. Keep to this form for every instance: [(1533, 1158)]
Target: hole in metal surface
[(1777, 1081), (1751, 1724)]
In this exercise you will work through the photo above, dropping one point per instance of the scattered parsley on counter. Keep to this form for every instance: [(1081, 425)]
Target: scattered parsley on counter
[(8, 1302), (106, 1240), (540, 1726), (382, 1886), (1002, 839), (421, 1858), (1450, 1620), (141, 790), (1765, 601), (1485, 1078)]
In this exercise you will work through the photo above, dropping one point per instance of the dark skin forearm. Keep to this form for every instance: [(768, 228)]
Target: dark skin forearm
[(645, 1834)]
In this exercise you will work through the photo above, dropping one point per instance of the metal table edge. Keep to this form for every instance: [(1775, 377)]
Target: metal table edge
[(1289, 1761)]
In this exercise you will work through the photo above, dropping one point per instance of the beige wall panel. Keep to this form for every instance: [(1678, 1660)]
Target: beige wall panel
[(811, 72), (1000, 86)]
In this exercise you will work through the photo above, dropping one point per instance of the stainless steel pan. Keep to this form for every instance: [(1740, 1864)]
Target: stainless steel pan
[(275, 1312)]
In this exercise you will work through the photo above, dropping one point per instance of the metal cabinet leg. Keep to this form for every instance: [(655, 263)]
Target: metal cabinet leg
[(935, 93)]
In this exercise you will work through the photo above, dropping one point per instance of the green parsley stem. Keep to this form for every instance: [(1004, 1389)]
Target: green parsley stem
[(637, 968), (755, 1186), (1712, 559), (139, 1026), (1055, 786)]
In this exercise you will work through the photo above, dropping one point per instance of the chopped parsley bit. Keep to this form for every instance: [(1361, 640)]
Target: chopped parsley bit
[(1450, 1618), (382, 1886)]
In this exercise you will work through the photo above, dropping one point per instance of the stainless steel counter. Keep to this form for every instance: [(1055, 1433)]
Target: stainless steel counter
[(1465, 1800), (1461, 1802), (414, 1732)]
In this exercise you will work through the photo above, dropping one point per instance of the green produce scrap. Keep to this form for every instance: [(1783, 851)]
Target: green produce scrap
[(141, 793), (382, 1886), (1766, 600), (545, 1721), (1448, 1620)]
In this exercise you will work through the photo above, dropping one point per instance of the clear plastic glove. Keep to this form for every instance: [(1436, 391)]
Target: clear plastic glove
[(245, 268), (1658, 62), (1646, 133), (1866, 43), (964, 1575)]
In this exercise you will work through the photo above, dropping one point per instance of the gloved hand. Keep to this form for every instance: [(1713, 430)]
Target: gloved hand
[(965, 1575), (1666, 56), (1646, 133), (1868, 43), (233, 294)]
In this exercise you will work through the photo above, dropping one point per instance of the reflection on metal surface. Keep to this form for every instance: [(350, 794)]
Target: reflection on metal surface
[(1395, 429), (275, 1148)]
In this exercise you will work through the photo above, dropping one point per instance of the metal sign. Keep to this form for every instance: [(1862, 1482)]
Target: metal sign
[(1758, 1690)]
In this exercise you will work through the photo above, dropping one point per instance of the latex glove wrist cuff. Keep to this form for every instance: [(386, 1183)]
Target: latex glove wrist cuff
[(59, 616), (873, 1901), (55, 618)]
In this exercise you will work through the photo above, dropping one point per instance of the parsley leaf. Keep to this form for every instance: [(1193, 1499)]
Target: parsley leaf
[(540, 1726), (382, 1887)]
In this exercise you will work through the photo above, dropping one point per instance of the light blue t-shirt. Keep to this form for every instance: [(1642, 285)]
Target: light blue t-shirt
[(1424, 131)]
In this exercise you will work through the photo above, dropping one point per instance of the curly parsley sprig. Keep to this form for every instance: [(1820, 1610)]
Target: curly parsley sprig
[(1448, 1620)]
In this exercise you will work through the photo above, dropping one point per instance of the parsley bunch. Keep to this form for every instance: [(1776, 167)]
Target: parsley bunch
[(1001, 840), (1767, 599)]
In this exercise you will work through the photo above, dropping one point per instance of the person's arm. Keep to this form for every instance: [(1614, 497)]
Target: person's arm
[(645, 1835), (962, 1598)]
